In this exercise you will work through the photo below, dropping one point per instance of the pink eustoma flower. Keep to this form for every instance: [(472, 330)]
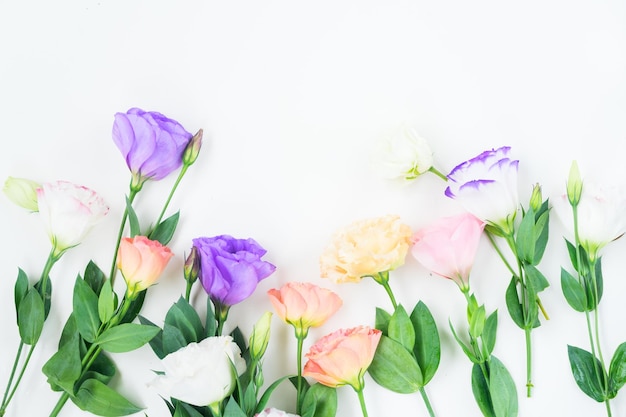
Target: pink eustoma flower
[(304, 305), (448, 247), (342, 357), (141, 261), (69, 211)]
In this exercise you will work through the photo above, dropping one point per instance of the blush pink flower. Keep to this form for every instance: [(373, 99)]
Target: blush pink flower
[(448, 247), (304, 305), (342, 357), (366, 248), (141, 262), (69, 212)]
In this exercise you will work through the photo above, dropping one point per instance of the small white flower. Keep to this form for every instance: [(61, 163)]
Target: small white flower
[(201, 373), (601, 215), (274, 412), (22, 192), (403, 154)]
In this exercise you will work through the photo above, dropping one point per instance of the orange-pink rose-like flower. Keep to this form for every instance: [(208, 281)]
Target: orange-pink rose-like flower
[(342, 357), (141, 261), (448, 247), (366, 248), (304, 305)]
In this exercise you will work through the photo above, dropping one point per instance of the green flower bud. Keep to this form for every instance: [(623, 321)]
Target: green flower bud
[(22, 192), (193, 149), (536, 198), (260, 337), (574, 185), (191, 269)]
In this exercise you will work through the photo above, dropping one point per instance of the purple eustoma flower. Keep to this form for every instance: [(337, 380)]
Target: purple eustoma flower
[(151, 144), (230, 268), (487, 187)]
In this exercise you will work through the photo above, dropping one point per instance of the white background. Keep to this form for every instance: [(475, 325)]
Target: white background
[(292, 96)]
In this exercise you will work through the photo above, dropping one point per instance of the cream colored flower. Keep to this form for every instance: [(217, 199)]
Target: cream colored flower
[(366, 248), (403, 154)]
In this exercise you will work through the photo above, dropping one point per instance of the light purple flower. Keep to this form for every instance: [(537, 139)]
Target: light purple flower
[(152, 144), (230, 268), (69, 212), (486, 186)]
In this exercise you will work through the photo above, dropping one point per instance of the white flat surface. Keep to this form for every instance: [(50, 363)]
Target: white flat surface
[(292, 97)]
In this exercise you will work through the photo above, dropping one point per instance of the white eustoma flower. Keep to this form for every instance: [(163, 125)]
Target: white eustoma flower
[(201, 373), (601, 215), (486, 186), (403, 154), (69, 211), (274, 412)]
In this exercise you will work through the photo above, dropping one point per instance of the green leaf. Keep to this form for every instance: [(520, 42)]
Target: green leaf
[(173, 339), (185, 318), (133, 221), (135, 307), (47, 297), (401, 329), (513, 304), (64, 367), (20, 290), (382, 320), (535, 283), (164, 231), (574, 292), (126, 337), (106, 303), (102, 369), (466, 349), (232, 409), (586, 370), (96, 398), (268, 393), (210, 327), (395, 368), (94, 277), (69, 331), (156, 343), (502, 389), (30, 317), (322, 399), (541, 232), (489, 334), (427, 349), (480, 389), (617, 370), (85, 303), (525, 239), (593, 298)]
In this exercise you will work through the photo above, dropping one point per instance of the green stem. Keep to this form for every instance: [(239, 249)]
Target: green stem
[(359, 392), (431, 413), (188, 291), (300, 337), (383, 279), (169, 198), (5, 403), (529, 384), (59, 405), (131, 197), (438, 173)]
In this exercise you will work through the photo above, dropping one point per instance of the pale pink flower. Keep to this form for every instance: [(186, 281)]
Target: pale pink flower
[(69, 212), (448, 246), (141, 261), (304, 305)]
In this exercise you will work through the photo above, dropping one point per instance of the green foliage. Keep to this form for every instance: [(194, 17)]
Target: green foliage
[(30, 317), (164, 231), (133, 221), (588, 373), (126, 337), (617, 370), (85, 303), (395, 368), (320, 401), (494, 389), (97, 398)]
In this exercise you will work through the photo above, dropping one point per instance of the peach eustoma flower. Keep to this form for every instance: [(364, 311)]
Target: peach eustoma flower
[(342, 357), (366, 248), (141, 262), (448, 247), (304, 305)]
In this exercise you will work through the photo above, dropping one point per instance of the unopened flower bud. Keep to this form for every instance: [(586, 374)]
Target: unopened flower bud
[(574, 185), (22, 192), (260, 337), (193, 149), (536, 198), (191, 269)]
